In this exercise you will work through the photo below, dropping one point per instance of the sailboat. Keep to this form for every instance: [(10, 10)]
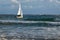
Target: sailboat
[(19, 14)]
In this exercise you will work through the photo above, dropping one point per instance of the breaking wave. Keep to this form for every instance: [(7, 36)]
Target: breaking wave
[(36, 23)]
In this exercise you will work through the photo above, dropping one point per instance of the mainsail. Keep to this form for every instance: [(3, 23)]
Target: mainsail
[(19, 14)]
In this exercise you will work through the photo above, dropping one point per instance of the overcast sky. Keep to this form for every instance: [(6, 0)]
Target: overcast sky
[(30, 6)]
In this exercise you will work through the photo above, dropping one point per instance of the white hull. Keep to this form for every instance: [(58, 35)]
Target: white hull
[(19, 16)]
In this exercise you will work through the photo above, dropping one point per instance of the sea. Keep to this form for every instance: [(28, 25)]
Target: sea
[(30, 27)]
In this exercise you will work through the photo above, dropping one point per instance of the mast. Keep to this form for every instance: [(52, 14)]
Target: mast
[(19, 14)]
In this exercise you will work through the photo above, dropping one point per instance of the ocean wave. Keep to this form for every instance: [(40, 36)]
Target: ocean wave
[(19, 21), (35, 32)]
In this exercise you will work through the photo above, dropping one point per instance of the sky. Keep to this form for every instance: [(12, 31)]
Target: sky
[(30, 6)]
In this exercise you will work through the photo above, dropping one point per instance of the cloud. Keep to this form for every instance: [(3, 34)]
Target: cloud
[(14, 1), (50, 0), (28, 7), (57, 1), (13, 6), (41, 0), (27, 0), (24, 1)]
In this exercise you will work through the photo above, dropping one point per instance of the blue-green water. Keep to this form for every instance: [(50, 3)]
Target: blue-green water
[(32, 30)]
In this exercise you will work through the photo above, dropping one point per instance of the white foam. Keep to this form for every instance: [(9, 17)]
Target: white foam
[(16, 21)]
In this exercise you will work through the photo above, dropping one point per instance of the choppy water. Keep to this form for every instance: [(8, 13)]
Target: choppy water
[(29, 30)]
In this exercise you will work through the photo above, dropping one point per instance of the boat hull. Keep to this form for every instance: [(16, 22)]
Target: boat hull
[(19, 16)]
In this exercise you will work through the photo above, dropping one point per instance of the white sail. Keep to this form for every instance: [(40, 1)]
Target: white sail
[(19, 14)]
